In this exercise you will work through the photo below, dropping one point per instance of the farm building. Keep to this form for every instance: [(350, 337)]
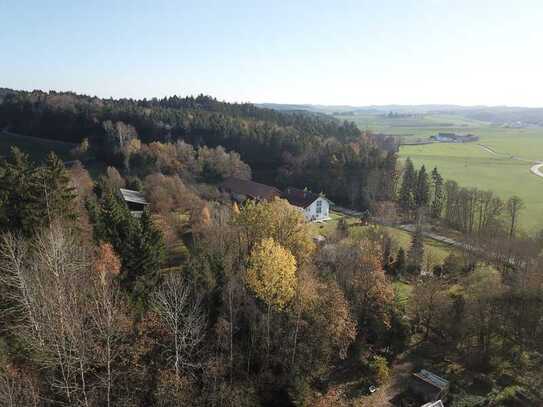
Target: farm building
[(241, 190), (135, 201), (315, 207), (429, 386), (454, 138), (438, 403)]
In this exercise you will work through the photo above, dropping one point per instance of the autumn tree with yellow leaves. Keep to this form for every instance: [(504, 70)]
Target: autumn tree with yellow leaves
[(278, 220), (271, 275)]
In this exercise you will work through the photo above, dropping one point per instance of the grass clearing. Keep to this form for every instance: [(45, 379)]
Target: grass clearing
[(420, 125), (37, 148), (469, 164), (328, 227), (438, 250), (403, 290)]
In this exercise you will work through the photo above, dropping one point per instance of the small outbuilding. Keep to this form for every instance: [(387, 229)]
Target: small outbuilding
[(428, 386), (135, 200)]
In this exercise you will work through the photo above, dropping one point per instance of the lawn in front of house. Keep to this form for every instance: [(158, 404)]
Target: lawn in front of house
[(326, 228), (437, 250)]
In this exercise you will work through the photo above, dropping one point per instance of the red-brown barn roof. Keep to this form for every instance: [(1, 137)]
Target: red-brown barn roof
[(250, 189)]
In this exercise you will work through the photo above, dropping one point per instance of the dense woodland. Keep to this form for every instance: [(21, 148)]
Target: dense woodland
[(301, 149), (202, 301)]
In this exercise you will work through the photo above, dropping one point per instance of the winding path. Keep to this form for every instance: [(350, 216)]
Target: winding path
[(536, 169)]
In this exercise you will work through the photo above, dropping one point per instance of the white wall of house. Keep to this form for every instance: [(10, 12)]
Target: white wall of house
[(318, 210)]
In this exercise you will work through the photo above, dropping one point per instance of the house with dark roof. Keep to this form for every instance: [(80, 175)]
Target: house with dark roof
[(428, 386), (314, 207), (135, 200), (241, 190)]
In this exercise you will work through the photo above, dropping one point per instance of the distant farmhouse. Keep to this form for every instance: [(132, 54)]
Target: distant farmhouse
[(315, 207), (454, 138), (241, 190), (135, 201), (428, 386)]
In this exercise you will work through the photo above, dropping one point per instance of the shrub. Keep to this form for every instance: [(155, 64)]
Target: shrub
[(507, 395), (379, 369)]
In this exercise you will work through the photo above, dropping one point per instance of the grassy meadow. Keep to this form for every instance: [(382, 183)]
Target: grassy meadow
[(401, 238), (37, 148), (506, 174)]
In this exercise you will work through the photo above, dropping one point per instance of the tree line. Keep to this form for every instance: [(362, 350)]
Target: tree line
[(297, 149), (469, 210)]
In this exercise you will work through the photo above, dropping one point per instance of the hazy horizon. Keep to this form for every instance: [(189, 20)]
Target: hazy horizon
[(355, 54), (264, 103)]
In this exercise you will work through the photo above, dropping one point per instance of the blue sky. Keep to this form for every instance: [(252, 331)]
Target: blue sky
[(325, 52)]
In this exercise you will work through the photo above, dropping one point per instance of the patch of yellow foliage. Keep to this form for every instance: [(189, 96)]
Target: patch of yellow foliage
[(271, 274)]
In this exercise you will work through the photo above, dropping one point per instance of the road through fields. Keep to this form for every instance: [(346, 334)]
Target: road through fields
[(536, 169)]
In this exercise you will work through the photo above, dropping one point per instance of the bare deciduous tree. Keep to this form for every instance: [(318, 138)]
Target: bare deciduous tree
[(107, 312), (182, 316), (65, 313), (46, 282), (17, 389), (514, 206)]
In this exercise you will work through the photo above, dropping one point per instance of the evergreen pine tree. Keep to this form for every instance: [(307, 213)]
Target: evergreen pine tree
[(146, 252), (57, 194), (32, 197), (407, 190), (114, 223), (17, 212), (438, 195), (415, 254), (422, 191), (400, 263), (139, 243), (387, 255)]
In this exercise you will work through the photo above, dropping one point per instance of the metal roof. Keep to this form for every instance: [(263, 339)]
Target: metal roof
[(438, 403), (432, 379), (133, 196)]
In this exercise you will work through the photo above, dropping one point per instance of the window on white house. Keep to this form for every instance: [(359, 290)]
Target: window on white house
[(319, 206)]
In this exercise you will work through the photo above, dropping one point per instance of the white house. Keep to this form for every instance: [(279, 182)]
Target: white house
[(315, 207)]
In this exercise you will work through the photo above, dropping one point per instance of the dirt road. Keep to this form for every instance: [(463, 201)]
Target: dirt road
[(386, 395), (536, 169)]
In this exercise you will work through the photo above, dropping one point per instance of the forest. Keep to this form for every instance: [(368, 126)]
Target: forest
[(208, 302)]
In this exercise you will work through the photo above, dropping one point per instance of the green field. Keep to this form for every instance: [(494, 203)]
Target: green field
[(469, 164), (416, 126), (402, 238), (37, 148)]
